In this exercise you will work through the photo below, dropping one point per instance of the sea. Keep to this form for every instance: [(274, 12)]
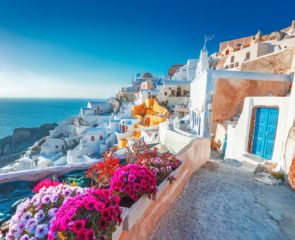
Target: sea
[(17, 112)]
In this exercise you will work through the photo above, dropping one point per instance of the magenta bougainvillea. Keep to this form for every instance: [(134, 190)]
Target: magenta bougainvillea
[(90, 216), (134, 180)]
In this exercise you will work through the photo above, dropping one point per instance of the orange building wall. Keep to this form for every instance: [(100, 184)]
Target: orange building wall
[(229, 95)]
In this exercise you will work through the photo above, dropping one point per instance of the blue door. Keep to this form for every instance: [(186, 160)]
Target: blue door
[(265, 132)]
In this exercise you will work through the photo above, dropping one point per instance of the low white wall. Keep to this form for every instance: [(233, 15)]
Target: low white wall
[(39, 174), (238, 136), (172, 140)]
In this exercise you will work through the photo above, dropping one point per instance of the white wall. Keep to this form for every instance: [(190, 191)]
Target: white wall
[(100, 107), (172, 140), (93, 146), (70, 131), (289, 120), (256, 50), (96, 119), (52, 145), (238, 136), (191, 68), (198, 100)]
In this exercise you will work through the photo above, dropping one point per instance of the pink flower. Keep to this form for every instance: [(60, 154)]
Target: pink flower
[(78, 225), (92, 205), (136, 187), (143, 183), (90, 235), (130, 177), (81, 235), (45, 183), (89, 203), (99, 206)]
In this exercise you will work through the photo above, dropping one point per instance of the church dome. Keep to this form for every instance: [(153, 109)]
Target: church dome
[(146, 75)]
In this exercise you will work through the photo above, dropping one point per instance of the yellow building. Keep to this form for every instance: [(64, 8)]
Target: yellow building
[(150, 114)]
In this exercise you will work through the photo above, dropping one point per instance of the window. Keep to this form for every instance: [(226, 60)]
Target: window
[(165, 93), (227, 52), (236, 64), (178, 92), (173, 92), (247, 56), (184, 92), (232, 65), (100, 137), (232, 59), (92, 138), (56, 146), (226, 66)]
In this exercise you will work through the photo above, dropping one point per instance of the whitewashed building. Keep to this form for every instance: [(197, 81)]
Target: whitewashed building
[(218, 95), (174, 92), (262, 131), (187, 71)]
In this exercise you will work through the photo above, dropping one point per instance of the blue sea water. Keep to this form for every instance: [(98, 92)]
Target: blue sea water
[(15, 113)]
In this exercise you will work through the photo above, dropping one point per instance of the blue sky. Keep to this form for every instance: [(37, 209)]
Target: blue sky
[(89, 49)]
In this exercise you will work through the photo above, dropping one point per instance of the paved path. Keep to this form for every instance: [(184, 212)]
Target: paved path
[(227, 203)]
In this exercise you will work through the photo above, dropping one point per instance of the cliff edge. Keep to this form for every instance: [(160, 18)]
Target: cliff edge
[(11, 147)]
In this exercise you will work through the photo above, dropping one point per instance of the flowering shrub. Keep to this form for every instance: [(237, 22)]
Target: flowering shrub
[(33, 217), (101, 173), (133, 180), (45, 183), (87, 217), (135, 150), (161, 164), (291, 175)]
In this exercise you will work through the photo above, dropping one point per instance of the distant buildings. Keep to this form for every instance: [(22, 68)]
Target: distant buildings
[(174, 92)]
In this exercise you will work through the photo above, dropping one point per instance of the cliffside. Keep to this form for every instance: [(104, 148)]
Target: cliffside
[(11, 147)]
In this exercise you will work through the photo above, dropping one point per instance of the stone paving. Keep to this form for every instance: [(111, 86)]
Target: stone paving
[(224, 201)]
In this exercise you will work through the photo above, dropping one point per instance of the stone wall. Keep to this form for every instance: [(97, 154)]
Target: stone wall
[(229, 96), (280, 62)]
